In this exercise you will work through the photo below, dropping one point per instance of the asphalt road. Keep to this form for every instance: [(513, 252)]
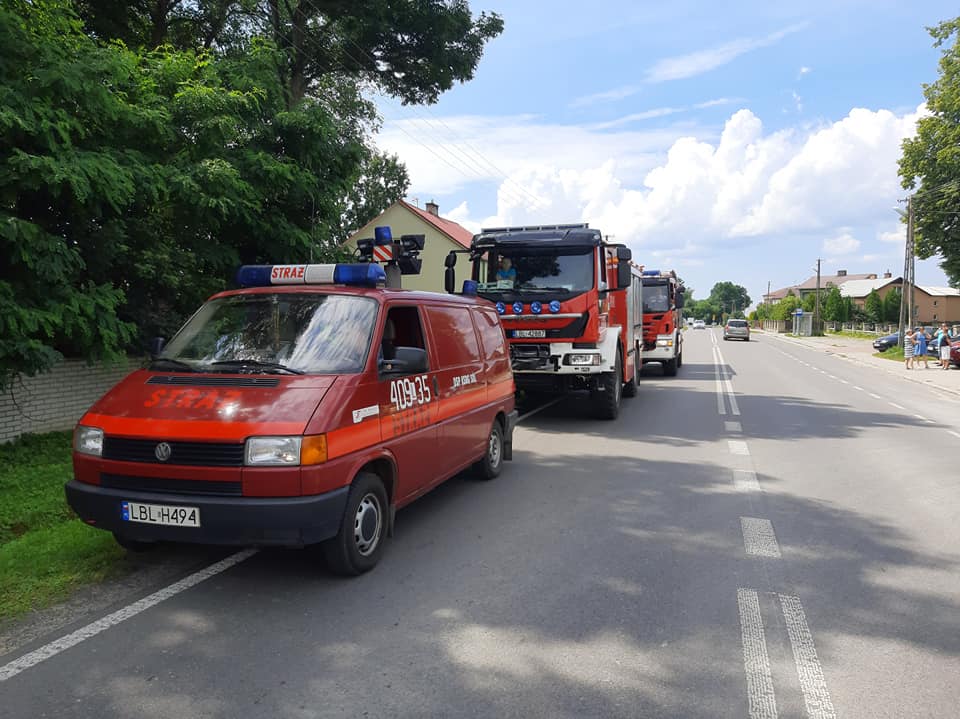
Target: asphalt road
[(765, 535)]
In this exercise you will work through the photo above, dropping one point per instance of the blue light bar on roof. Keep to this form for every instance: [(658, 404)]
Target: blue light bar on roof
[(360, 274), (651, 273)]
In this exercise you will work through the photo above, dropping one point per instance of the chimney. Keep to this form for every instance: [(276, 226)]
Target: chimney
[(841, 273), (887, 275), (433, 208)]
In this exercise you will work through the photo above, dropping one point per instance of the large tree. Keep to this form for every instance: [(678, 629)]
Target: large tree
[(731, 298), (411, 49), (931, 159)]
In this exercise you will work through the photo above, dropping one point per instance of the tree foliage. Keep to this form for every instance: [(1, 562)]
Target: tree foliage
[(873, 307), (891, 305), (411, 49), (931, 159), (147, 153), (834, 308)]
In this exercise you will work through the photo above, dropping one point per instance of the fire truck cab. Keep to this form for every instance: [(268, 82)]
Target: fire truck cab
[(662, 322), (302, 409), (570, 304)]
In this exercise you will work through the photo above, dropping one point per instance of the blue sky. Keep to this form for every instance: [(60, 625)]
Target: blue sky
[(728, 141)]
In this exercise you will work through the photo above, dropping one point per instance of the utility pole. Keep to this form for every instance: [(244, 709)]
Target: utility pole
[(815, 330), (906, 292)]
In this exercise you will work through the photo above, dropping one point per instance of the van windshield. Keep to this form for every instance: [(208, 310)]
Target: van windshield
[(293, 333)]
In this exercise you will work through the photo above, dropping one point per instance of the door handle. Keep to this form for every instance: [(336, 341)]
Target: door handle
[(436, 387)]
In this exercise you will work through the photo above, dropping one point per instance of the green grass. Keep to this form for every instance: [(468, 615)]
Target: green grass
[(45, 551), (894, 353), (856, 335)]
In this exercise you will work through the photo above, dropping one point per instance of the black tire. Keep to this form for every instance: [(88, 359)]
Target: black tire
[(670, 367), (630, 388), (491, 465), (607, 400), (358, 545), (134, 545), (680, 359)]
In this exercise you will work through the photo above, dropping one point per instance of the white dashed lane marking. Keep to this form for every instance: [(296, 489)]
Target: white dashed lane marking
[(875, 396), (738, 447), (894, 404), (955, 434), (859, 389), (745, 480), (759, 539)]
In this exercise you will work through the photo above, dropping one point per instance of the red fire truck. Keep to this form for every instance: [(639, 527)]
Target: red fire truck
[(571, 307), (662, 303)]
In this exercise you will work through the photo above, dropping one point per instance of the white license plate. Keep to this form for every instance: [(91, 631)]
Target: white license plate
[(160, 514), (530, 334)]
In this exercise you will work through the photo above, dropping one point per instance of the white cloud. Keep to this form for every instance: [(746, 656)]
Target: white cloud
[(636, 116), (896, 236), (697, 63), (716, 102), (803, 71), (618, 93), (842, 245)]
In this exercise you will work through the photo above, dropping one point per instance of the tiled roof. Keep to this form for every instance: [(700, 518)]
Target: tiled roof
[(939, 291), (836, 280), (459, 234)]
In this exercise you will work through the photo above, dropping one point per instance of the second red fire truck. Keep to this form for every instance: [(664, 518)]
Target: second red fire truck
[(662, 303)]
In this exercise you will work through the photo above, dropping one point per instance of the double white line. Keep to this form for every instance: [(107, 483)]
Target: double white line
[(723, 382)]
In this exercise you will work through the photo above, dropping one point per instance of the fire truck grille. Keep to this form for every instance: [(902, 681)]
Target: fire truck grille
[(531, 357), (196, 454), (171, 486)]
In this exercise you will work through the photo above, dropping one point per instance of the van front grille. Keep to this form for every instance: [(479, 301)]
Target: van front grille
[(196, 454)]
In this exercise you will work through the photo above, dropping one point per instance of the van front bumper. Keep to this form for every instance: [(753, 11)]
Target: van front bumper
[(244, 521)]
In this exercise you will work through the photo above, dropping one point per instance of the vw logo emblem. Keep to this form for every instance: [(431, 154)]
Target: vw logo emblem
[(163, 451)]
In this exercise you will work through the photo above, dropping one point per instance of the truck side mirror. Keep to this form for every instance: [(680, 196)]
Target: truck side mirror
[(680, 300), (450, 260), (450, 280), (624, 275), (624, 254)]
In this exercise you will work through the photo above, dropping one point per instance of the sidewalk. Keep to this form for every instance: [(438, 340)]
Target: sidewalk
[(860, 351)]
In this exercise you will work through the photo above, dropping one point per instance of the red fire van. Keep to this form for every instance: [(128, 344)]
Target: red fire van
[(301, 409)]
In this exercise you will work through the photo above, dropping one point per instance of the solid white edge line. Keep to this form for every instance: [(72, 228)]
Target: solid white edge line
[(47, 651), (538, 409), (761, 699), (759, 539), (812, 682)]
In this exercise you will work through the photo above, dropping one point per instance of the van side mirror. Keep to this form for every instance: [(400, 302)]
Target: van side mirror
[(156, 346), (408, 360)]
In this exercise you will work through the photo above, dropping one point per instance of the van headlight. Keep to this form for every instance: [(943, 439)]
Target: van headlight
[(273, 451), (88, 440), (286, 451)]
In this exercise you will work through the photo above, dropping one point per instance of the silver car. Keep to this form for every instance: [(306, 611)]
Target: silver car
[(738, 329)]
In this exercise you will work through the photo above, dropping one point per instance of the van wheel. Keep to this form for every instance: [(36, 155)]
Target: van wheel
[(492, 463), (607, 399), (359, 543), (134, 545)]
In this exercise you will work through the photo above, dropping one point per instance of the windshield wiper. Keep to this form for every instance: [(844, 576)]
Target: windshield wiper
[(183, 366), (258, 364)]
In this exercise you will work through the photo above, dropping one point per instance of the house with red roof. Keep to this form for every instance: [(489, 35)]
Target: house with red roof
[(441, 236)]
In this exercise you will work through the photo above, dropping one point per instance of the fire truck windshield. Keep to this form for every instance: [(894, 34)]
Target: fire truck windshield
[(656, 297), (282, 332), (557, 272)]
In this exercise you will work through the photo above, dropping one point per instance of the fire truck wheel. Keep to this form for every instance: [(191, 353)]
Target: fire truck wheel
[(680, 360), (670, 367), (492, 463), (607, 399), (133, 545), (359, 543)]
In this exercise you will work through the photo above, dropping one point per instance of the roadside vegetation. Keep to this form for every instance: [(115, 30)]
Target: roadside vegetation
[(894, 353), (45, 551), (854, 334)]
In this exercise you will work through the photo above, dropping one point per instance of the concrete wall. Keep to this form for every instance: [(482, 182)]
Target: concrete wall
[(55, 400)]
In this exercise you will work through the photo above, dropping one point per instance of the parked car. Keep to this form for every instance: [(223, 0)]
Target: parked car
[(738, 329), (699, 325), (882, 344)]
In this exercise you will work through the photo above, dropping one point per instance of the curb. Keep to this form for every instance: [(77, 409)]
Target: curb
[(853, 360)]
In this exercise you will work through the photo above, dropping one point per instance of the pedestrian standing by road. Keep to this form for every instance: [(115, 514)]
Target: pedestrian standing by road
[(908, 348), (942, 343), (920, 346)]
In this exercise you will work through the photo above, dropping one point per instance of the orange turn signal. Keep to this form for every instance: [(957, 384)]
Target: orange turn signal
[(313, 449)]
